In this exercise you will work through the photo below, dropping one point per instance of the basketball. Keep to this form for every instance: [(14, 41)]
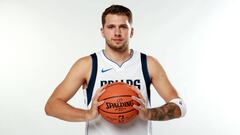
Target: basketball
[(118, 105)]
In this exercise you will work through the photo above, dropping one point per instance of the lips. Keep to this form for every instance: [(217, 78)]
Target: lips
[(117, 39)]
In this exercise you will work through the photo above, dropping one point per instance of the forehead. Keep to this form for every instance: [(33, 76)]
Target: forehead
[(116, 19)]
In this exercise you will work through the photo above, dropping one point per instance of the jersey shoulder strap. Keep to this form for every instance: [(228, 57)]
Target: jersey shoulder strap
[(146, 75), (92, 78)]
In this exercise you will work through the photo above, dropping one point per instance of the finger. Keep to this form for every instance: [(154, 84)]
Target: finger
[(136, 107), (100, 89), (139, 108), (100, 103), (96, 104), (140, 101), (137, 91), (99, 92), (97, 95)]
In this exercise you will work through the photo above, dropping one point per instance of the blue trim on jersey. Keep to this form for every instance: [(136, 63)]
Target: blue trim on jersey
[(146, 75), (92, 78), (131, 55)]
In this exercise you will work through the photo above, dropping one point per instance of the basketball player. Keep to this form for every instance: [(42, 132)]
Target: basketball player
[(117, 62)]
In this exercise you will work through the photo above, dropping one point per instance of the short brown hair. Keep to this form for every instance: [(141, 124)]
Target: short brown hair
[(119, 10)]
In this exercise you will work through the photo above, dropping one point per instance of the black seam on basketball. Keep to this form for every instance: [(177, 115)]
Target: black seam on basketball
[(117, 96), (117, 112)]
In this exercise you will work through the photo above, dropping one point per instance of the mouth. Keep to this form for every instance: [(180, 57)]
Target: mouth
[(118, 39)]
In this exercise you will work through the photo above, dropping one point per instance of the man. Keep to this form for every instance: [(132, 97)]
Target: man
[(116, 63)]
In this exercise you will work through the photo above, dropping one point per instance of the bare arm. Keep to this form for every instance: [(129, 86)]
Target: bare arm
[(165, 90), (57, 105)]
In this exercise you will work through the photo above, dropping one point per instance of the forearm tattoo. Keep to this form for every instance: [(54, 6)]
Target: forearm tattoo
[(165, 112)]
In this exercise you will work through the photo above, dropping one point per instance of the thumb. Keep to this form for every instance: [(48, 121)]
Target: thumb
[(100, 103)]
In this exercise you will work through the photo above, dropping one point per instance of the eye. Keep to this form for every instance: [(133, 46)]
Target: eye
[(110, 26), (124, 26)]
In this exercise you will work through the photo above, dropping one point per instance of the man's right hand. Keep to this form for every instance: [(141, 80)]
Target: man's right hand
[(93, 112)]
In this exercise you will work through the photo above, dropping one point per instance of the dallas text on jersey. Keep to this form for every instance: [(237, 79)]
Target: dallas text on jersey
[(136, 82)]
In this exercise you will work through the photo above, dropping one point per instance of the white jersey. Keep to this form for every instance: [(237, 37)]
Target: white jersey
[(134, 72)]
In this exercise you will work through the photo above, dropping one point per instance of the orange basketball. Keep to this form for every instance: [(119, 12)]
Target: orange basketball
[(118, 105)]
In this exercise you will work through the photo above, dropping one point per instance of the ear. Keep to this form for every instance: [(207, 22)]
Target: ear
[(102, 32), (131, 33)]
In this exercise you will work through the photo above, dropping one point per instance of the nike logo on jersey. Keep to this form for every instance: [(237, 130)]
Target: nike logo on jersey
[(105, 70), (180, 102)]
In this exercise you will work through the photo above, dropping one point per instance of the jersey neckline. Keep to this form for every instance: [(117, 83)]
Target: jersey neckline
[(113, 63)]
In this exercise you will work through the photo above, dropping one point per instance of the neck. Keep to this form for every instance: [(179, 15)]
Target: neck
[(118, 56)]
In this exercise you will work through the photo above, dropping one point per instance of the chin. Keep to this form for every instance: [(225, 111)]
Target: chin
[(118, 47)]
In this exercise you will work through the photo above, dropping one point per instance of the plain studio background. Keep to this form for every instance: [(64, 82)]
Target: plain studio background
[(196, 41)]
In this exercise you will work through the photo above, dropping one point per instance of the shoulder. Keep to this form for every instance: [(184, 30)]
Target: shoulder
[(152, 61), (154, 66), (82, 66), (83, 62)]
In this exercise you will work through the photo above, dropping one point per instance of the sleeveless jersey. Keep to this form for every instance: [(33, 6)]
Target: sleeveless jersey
[(134, 72)]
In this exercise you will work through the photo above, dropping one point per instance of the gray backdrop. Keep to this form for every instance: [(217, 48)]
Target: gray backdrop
[(196, 41)]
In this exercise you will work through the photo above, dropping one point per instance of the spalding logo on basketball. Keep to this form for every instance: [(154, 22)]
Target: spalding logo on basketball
[(118, 105)]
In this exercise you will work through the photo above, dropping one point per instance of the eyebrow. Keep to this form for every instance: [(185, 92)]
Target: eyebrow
[(125, 25)]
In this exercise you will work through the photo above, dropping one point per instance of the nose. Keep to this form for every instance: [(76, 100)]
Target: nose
[(117, 32)]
